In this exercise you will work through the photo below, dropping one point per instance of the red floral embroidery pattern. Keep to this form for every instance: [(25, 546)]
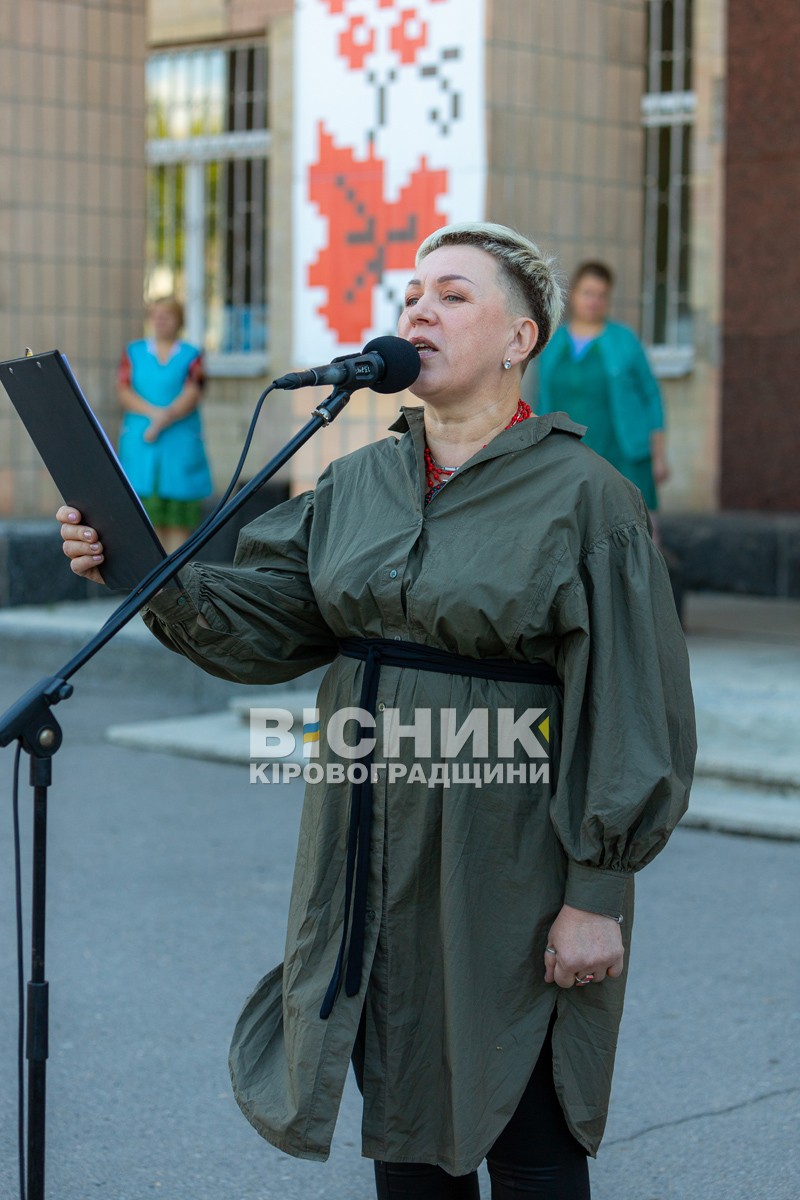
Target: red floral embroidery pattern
[(356, 42), (409, 36), (359, 39), (366, 235)]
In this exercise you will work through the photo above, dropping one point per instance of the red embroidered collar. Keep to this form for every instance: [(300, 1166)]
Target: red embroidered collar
[(436, 476)]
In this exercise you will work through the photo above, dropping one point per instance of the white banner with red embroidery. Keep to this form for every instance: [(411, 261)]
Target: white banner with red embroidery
[(389, 144)]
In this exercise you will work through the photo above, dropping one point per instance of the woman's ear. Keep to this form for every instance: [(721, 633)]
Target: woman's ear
[(525, 337)]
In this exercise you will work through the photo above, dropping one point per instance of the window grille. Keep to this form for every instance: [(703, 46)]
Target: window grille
[(668, 112), (207, 152)]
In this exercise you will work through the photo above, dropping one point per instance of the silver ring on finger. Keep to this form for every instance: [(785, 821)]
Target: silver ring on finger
[(550, 950), (581, 980)]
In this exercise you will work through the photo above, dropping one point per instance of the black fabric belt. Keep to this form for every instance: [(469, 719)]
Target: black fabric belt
[(377, 653)]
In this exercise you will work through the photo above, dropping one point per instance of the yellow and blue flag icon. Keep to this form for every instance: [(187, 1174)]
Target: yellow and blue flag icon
[(311, 733)]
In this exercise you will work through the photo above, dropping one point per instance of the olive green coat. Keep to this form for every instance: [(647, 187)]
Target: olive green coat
[(536, 549)]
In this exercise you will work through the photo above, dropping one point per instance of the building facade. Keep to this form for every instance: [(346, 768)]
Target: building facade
[(279, 182)]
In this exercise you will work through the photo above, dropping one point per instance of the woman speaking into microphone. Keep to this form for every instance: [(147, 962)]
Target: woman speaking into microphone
[(487, 592)]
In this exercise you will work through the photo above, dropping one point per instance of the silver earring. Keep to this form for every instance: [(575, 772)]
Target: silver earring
[(507, 365)]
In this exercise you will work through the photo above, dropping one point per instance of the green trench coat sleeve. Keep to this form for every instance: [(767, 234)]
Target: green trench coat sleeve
[(536, 549), (626, 763), (262, 622)]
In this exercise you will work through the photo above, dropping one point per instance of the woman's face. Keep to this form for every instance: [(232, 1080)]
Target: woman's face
[(456, 313), (590, 300), (166, 322)]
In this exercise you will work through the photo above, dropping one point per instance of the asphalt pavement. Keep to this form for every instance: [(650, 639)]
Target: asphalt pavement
[(168, 888)]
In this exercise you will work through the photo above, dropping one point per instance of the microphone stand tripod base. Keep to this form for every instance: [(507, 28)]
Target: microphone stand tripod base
[(31, 723)]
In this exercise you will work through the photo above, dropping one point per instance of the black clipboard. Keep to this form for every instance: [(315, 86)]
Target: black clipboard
[(83, 464)]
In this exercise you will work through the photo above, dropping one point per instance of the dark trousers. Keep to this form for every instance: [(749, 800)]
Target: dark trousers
[(534, 1156)]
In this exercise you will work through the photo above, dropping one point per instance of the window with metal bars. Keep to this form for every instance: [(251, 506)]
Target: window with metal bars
[(668, 110), (207, 154)]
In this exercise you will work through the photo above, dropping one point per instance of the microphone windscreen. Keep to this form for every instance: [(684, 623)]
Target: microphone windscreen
[(402, 363)]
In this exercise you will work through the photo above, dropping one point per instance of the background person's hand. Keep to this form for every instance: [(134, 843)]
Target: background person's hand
[(658, 457), (661, 471), (81, 544), (584, 944), (158, 422)]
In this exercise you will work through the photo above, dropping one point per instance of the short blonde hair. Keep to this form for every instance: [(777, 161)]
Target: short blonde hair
[(172, 302), (531, 278)]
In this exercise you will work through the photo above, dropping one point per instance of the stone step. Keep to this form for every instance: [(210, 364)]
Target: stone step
[(219, 736), (746, 686), (224, 737), (735, 808), (765, 776), (216, 737), (747, 703), (42, 638), (294, 700)]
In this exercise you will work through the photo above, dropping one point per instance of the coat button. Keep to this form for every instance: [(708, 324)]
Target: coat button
[(381, 706), (393, 574), (371, 914)]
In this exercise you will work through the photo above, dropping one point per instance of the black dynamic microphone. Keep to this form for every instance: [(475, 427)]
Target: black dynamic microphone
[(386, 364)]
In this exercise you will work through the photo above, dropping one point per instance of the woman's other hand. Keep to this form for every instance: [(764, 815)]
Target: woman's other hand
[(584, 944), (658, 456), (81, 544), (661, 471), (158, 422)]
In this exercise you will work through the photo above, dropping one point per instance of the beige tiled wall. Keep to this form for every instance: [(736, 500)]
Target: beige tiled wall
[(186, 20), (245, 15), (192, 20), (565, 79), (71, 205)]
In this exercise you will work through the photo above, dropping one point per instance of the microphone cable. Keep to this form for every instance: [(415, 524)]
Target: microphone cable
[(402, 368), (128, 603), (20, 978), (242, 457), (21, 1014), (195, 536)]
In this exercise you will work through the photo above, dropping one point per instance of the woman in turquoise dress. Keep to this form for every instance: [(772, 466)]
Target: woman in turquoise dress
[(597, 371), (159, 386)]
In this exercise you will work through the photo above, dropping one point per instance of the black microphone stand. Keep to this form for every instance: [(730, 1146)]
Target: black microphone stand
[(31, 723)]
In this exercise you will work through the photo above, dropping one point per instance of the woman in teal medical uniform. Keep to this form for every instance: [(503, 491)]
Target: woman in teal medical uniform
[(597, 371)]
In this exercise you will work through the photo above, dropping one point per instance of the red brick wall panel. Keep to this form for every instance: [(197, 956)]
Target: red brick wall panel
[(760, 436)]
